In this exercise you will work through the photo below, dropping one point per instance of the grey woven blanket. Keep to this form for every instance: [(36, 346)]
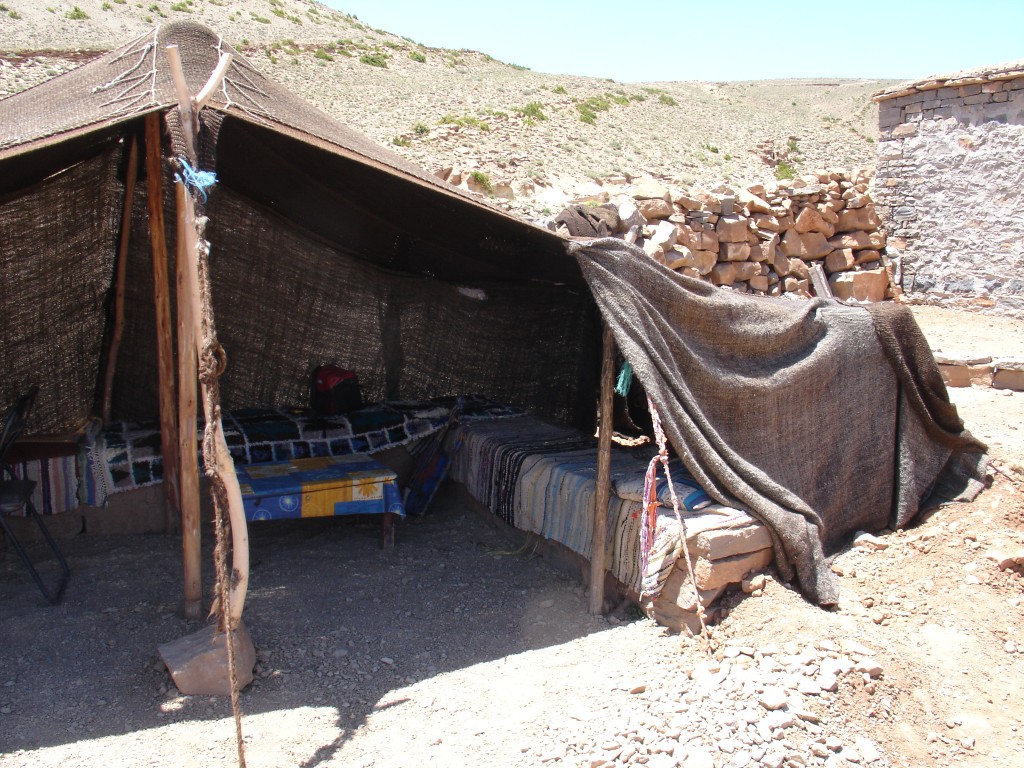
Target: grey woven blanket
[(798, 412)]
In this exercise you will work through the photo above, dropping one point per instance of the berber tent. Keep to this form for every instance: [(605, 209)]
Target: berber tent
[(819, 418)]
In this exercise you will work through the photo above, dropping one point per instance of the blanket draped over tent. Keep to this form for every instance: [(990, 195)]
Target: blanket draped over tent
[(793, 411)]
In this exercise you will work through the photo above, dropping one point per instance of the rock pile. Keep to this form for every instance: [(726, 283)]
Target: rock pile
[(724, 549), (766, 239), (750, 707)]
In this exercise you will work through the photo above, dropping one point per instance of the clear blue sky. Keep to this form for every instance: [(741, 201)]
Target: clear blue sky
[(682, 40)]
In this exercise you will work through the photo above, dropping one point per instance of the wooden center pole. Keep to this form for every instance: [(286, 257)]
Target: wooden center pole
[(218, 461), (191, 537), (122, 268), (604, 463), (164, 334)]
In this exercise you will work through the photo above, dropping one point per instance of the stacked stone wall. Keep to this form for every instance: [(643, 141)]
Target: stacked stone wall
[(764, 239), (948, 186)]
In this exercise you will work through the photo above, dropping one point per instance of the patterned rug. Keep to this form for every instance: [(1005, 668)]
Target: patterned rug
[(127, 455)]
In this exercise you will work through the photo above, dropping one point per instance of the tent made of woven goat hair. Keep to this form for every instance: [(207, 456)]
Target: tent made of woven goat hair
[(820, 419), (325, 247)]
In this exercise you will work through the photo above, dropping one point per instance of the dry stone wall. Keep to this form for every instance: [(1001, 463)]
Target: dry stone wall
[(765, 239), (948, 186)]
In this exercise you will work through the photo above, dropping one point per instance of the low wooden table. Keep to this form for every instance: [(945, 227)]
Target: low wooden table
[(322, 487)]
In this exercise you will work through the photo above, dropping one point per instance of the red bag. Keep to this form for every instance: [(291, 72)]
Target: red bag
[(335, 391)]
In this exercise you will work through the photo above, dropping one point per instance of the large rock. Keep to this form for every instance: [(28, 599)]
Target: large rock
[(732, 272), (852, 219), (732, 229), (810, 220), (869, 285), (808, 246), (752, 202), (1008, 373), (704, 240), (840, 260), (712, 574), (648, 189), (734, 251), (654, 208), (199, 662), (759, 283), (856, 240), (766, 223), (798, 268), (664, 235), (629, 215)]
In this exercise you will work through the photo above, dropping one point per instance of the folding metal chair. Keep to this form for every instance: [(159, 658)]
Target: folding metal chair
[(16, 495)]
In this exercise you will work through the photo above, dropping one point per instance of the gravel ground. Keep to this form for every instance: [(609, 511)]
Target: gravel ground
[(462, 647)]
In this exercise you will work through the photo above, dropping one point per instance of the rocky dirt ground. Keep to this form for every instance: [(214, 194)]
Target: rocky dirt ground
[(461, 647)]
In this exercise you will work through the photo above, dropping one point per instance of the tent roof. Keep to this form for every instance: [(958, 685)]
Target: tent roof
[(276, 141)]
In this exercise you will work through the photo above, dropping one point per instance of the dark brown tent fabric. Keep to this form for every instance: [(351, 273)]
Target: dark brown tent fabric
[(325, 247), (788, 409)]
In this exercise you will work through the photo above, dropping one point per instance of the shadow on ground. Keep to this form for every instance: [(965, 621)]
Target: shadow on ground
[(338, 624)]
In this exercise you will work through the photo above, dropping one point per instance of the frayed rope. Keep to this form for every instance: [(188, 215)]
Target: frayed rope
[(197, 181), (625, 380)]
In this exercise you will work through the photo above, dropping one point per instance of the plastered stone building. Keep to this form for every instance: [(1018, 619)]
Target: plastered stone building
[(949, 186)]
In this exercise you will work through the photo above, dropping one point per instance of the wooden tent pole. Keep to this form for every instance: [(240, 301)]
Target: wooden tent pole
[(162, 302), (216, 456), (122, 268), (604, 463), (187, 444)]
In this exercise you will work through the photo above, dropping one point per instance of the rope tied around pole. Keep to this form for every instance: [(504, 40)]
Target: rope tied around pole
[(196, 181), (650, 513)]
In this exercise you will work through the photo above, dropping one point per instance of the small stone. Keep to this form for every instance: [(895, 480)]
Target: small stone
[(828, 682), (698, 757), (638, 688), (967, 742), (866, 540), (869, 667), (833, 743), (866, 748), (773, 699)]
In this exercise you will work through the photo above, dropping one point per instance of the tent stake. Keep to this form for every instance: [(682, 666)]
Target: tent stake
[(187, 445), (604, 462), (162, 302), (122, 267)]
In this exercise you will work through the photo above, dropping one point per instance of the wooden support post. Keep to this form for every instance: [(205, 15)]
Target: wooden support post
[(122, 266), (216, 456), (604, 463), (187, 444), (162, 303)]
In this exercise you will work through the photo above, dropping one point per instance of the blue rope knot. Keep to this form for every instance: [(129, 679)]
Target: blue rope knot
[(197, 181), (625, 379)]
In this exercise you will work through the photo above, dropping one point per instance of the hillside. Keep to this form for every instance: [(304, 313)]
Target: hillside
[(534, 135)]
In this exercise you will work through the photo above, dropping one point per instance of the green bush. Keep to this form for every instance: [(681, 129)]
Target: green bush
[(533, 110), (668, 100), (401, 141), (76, 14), (559, 89), (421, 129), (375, 59), (181, 7), (417, 56), (784, 171), (483, 180), (322, 54)]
